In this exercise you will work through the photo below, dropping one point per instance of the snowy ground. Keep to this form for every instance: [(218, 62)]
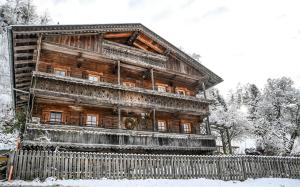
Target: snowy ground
[(264, 182)]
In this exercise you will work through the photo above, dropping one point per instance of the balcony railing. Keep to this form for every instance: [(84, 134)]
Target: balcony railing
[(98, 93), (129, 54), (75, 136)]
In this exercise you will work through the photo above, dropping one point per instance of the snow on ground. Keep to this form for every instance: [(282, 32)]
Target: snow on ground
[(263, 182)]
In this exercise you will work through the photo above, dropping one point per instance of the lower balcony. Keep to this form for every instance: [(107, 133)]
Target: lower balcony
[(85, 138)]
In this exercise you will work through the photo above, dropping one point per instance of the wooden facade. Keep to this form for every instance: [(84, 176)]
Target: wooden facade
[(115, 87)]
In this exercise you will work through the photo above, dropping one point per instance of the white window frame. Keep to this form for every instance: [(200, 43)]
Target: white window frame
[(92, 77), (186, 127), (161, 88), (161, 125), (60, 72), (55, 119), (91, 120)]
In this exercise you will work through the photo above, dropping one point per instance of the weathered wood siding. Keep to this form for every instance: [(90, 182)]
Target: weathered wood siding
[(88, 42), (50, 60), (28, 165)]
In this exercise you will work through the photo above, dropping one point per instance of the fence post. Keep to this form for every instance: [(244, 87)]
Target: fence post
[(10, 166)]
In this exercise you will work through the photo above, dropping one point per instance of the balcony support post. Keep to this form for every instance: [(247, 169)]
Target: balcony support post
[(119, 118), (152, 79), (119, 73), (154, 120), (204, 90), (207, 118)]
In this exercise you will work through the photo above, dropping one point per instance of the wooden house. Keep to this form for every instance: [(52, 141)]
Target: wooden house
[(109, 88)]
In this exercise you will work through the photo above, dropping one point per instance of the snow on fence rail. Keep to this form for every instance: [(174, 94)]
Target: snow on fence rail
[(28, 165)]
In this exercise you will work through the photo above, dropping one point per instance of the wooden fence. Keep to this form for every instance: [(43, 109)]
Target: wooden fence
[(28, 165)]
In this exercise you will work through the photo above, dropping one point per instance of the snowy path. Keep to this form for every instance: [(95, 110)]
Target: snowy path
[(264, 182)]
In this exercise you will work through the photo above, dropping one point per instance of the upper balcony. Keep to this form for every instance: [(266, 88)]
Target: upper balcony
[(118, 64), (104, 93)]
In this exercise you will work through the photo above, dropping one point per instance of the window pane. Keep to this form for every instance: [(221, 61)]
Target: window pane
[(91, 120), (93, 78), (60, 72), (161, 89), (55, 117), (88, 118)]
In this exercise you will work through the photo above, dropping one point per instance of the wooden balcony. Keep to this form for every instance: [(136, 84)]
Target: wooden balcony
[(102, 93), (76, 137), (125, 53), (112, 51)]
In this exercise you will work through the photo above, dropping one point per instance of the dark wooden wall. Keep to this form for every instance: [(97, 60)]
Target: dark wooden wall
[(108, 73), (108, 117)]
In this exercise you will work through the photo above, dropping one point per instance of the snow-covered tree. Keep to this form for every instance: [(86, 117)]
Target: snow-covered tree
[(227, 119), (21, 12), (275, 118), (12, 12)]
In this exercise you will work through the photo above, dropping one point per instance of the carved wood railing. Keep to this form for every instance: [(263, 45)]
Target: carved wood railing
[(64, 135), (98, 93), (112, 50), (125, 53)]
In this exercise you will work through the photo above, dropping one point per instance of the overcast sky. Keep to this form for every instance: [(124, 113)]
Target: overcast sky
[(241, 41)]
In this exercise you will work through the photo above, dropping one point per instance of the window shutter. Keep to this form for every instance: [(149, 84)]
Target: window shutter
[(49, 69), (84, 75), (181, 128)]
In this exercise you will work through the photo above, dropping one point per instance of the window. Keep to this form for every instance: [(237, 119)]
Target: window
[(161, 88), (91, 120), (129, 84), (180, 92), (186, 127), (161, 126), (60, 72), (55, 117), (93, 78)]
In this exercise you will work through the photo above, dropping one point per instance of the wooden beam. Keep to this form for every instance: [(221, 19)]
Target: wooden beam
[(38, 54), (154, 120), (25, 47), (149, 43), (22, 62), (23, 54), (19, 75), (204, 91), (26, 68), (140, 46), (133, 38), (76, 51), (152, 79), (25, 40), (119, 118), (22, 85), (119, 73), (100, 42), (118, 35)]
